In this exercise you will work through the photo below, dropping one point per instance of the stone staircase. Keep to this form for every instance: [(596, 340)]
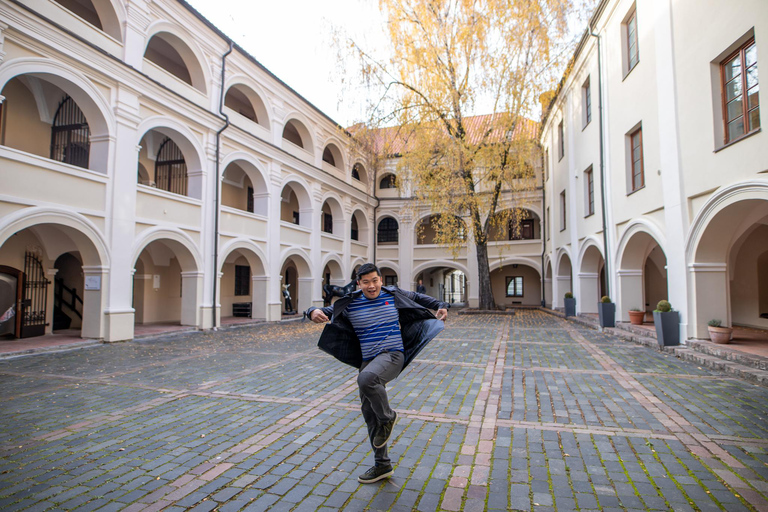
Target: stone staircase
[(704, 353)]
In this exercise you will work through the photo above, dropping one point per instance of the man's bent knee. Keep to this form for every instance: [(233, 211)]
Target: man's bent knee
[(367, 380)]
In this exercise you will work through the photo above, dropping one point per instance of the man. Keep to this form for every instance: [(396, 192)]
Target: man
[(379, 330), (420, 288)]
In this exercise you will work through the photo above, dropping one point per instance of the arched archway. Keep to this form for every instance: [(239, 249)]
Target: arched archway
[(516, 282), (168, 281), (297, 138), (244, 101), (296, 279), (642, 274), (591, 278), (244, 281), (727, 254), (387, 231), (35, 92), (333, 156), (359, 173), (105, 15), (563, 279), (515, 225), (548, 283), (170, 50), (359, 231), (389, 274), (332, 217), (244, 187), (444, 280), (32, 241), (172, 158), (295, 204), (431, 228)]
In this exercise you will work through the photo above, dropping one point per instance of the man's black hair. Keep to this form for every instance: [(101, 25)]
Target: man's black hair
[(367, 268)]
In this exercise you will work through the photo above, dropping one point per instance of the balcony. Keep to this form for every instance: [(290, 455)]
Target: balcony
[(294, 235), (238, 223), (161, 207)]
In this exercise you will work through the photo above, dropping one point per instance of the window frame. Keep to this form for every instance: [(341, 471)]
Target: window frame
[(563, 206), (518, 292), (560, 141), (628, 66), (390, 238), (745, 110), (632, 173), (242, 282), (586, 96), (589, 184)]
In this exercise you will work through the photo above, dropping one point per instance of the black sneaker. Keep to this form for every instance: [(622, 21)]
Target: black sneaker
[(383, 432), (375, 474)]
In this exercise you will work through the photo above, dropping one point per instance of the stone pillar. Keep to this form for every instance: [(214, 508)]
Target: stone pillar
[(191, 297), (588, 292), (259, 290), (710, 294), (51, 273), (274, 301), (96, 280), (629, 293)]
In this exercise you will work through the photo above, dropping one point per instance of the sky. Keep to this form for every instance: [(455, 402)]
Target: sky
[(294, 40)]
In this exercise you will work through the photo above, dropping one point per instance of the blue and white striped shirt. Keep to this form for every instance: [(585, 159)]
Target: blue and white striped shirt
[(376, 324)]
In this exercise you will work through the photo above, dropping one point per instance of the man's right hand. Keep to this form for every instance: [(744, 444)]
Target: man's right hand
[(318, 316)]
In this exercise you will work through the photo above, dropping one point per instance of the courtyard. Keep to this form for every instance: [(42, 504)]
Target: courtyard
[(500, 412)]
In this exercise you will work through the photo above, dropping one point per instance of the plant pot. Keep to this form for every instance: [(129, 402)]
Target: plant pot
[(636, 317), (667, 328), (607, 313), (570, 307), (720, 335)]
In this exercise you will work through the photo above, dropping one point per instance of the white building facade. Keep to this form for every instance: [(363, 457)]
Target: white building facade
[(149, 173), (672, 203)]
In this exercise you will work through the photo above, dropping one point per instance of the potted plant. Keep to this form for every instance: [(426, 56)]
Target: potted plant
[(570, 304), (636, 316), (607, 312), (667, 323), (719, 334)]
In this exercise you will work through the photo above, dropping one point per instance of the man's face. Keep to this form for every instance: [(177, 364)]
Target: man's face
[(370, 284)]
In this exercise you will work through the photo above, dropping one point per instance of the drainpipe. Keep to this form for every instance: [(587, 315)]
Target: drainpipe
[(378, 203), (543, 232), (218, 186), (602, 164)]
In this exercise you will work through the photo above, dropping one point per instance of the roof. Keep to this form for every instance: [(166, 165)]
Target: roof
[(396, 140)]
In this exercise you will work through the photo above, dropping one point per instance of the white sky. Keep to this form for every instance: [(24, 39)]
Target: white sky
[(293, 39)]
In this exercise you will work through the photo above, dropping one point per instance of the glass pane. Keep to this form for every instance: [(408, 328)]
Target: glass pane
[(734, 109), (751, 76), (736, 128), (732, 68), (636, 154), (753, 98), (754, 119), (732, 89), (751, 54)]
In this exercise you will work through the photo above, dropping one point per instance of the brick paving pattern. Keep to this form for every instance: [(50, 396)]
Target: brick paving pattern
[(500, 412)]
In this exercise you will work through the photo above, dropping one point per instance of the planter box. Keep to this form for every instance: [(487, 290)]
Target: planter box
[(607, 313), (667, 328), (570, 307)]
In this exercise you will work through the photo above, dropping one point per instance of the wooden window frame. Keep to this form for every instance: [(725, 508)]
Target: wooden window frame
[(560, 141), (242, 283), (521, 236), (633, 170), (327, 226), (587, 97), (563, 205), (589, 183), (391, 234), (632, 16), (518, 291), (745, 110)]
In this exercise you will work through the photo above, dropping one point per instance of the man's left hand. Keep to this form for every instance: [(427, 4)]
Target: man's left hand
[(442, 314)]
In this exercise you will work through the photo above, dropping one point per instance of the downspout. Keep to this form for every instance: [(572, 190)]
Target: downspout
[(378, 203), (602, 164), (218, 186), (543, 231)]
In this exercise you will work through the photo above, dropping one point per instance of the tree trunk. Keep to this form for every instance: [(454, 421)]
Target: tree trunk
[(484, 277)]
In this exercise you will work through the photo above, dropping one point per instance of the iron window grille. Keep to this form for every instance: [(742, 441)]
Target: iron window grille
[(70, 135), (171, 168)]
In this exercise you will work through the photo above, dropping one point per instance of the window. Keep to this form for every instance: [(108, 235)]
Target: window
[(562, 210), (387, 230), (636, 157), (741, 105), (242, 280), (390, 280), (354, 231), (249, 206), (515, 286), (560, 141), (631, 45), (296, 218), (524, 232), (547, 222), (171, 168), (586, 100), (70, 135), (355, 174), (589, 185), (327, 222), (388, 181), (546, 165)]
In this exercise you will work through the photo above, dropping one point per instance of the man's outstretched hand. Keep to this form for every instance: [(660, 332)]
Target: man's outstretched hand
[(442, 314), (318, 317)]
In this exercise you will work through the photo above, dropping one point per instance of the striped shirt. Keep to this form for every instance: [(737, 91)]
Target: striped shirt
[(376, 324)]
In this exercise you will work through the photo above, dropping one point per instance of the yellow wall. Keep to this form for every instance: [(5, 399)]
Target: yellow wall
[(531, 286), (23, 128)]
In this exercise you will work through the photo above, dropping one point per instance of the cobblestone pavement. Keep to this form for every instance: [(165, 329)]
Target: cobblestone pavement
[(524, 412)]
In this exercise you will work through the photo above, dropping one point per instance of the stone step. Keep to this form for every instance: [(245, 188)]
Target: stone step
[(748, 373), (724, 351), (639, 331)]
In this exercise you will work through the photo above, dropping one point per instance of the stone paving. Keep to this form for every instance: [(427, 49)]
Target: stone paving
[(523, 412)]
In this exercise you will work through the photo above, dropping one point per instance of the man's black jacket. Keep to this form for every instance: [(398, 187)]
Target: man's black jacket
[(418, 326)]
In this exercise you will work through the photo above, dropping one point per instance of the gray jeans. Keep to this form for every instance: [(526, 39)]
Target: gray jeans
[(372, 381)]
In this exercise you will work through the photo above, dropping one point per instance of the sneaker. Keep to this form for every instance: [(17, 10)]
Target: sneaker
[(384, 432), (375, 474)]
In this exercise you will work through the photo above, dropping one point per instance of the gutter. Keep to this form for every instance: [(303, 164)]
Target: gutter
[(216, 200), (602, 164), (543, 227)]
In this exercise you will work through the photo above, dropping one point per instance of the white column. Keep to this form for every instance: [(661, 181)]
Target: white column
[(706, 305), (629, 292), (259, 292), (405, 252), (51, 273), (191, 297), (315, 284), (274, 304), (94, 300), (588, 292)]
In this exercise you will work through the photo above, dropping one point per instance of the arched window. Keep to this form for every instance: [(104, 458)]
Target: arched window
[(70, 135), (356, 172), (328, 157), (387, 230), (171, 168), (355, 232), (388, 181)]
